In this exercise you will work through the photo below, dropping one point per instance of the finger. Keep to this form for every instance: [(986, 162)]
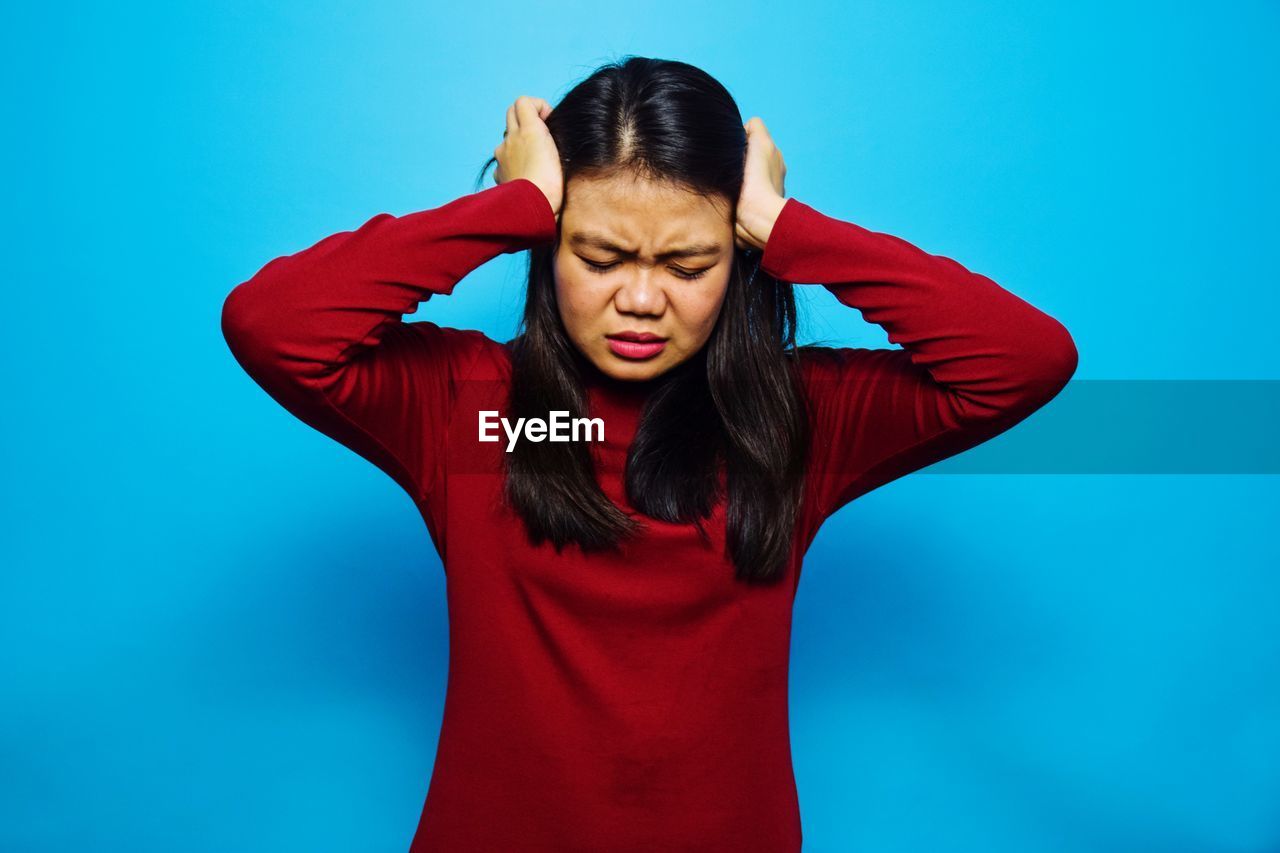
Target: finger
[(512, 123), (537, 106), (525, 110), (532, 107)]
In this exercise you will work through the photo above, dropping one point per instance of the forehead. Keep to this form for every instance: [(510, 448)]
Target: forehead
[(643, 212)]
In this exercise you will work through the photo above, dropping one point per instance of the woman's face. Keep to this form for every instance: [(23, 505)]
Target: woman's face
[(665, 255)]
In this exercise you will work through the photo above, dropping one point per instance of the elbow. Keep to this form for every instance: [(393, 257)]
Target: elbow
[(248, 328), (237, 320), (1065, 356), (1035, 367), (253, 310), (1053, 366)]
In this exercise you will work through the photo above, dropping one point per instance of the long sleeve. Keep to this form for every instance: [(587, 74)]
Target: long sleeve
[(322, 330), (975, 358)]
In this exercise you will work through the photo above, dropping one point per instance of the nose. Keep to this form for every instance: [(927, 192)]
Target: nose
[(641, 293)]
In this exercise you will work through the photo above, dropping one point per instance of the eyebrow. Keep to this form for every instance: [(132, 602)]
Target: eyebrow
[(599, 241)]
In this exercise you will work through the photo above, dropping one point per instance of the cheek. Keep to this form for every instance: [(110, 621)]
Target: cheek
[(703, 309), (578, 310)]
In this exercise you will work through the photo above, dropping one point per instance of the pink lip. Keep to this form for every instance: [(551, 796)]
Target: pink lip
[(637, 349)]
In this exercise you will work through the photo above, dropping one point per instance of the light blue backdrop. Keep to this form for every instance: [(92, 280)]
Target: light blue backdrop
[(223, 631)]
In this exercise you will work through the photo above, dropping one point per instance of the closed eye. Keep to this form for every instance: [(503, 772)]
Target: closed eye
[(685, 274)]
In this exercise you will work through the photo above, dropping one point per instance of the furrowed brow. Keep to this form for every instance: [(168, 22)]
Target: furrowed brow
[(599, 241)]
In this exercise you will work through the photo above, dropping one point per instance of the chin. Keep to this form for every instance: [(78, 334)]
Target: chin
[(630, 371)]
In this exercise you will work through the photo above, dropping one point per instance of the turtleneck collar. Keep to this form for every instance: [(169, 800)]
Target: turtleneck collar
[(621, 403)]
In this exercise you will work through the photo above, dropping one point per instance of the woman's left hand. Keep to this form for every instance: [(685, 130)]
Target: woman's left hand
[(763, 194)]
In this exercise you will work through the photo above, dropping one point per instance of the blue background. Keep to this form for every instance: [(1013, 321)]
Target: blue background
[(223, 631)]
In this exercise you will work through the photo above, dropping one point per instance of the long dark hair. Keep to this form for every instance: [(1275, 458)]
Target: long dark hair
[(729, 423)]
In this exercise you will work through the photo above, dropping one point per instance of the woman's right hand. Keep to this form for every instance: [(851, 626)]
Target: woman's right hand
[(528, 151)]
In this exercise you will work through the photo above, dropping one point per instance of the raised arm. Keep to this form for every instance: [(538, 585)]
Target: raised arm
[(322, 330), (976, 359)]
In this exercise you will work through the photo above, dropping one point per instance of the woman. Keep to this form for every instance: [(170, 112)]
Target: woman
[(620, 607)]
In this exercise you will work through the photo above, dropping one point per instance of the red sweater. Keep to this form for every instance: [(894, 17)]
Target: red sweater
[(639, 701)]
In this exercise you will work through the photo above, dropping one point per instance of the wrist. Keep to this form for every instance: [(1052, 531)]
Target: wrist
[(758, 220)]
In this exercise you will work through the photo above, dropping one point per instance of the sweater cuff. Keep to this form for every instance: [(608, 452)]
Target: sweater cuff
[(786, 240), (531, 213), (801, 240)]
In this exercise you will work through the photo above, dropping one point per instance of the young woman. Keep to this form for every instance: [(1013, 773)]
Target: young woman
[(620, 604)]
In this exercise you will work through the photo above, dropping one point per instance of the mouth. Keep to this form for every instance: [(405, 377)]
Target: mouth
[(636, 346)]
